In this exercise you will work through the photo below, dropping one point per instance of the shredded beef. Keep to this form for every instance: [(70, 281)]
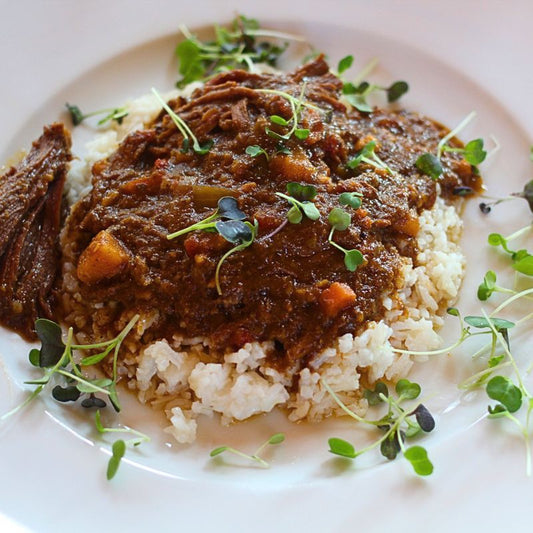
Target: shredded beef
[(30, 219)]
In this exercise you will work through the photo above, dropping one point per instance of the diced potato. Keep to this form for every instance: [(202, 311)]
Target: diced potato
[(105, 257), (336, 298)]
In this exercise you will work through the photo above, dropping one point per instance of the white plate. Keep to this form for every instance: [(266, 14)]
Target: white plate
[(456, 58)]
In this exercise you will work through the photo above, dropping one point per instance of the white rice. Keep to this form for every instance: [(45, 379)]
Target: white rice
[(176, 377)]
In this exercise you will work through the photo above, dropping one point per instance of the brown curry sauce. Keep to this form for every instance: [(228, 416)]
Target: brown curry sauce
[(277, 288)]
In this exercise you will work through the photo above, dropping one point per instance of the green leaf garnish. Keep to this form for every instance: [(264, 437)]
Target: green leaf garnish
[(482, 322), (352, 199), (218, 451), (294, 215), (339, 221), (76, 114), (488, 286), (35, 357), (396, 91), (191, 65), (390, 446), (52, 346), (503, 390), (240, 233), (359, 102), (234, 47), (524, 265), (397, 425), (495, 360), (418, 457), (527, 194), (299, 208), (66, 394), (277, 438), (119, 449), (227, 208), (301, 133), (430, 165), (344, 64), (234, 230), (301, 192), (73, 384), (474, 153), (342, 448), (374, 397), (407, 389), (352, 259), (424, 418), (117, 114), (183, 128), (357, 95), (280, 121), (255, 150), (368, 155)]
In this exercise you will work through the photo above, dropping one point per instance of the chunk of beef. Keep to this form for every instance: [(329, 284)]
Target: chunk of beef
[(30, 220)]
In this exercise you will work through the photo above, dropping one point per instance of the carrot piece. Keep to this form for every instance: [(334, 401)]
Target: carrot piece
[(336, 298)]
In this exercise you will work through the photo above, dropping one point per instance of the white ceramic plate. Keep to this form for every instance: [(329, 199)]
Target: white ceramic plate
[(53, 467)]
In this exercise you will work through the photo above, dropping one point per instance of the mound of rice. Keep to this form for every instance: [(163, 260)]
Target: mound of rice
[(177, 376)]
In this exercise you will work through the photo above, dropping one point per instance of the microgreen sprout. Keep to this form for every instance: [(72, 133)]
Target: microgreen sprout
[(119, 446), (510, 396), (236, 47), (356, 95), (292, 123), (473, 152), (118, 450), (357, 91), (57, 360), (227, 210), (275, 439), (300, 196), (188, 135), (466, 323), (255, 151), (522, 260), (240, 233), (351, 199), (339, 219), (344, 64), (510, 393), (526, 194), (488, 286), (430, 165), (368, 155), (397, 425), (77, 116), (227, 221)]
